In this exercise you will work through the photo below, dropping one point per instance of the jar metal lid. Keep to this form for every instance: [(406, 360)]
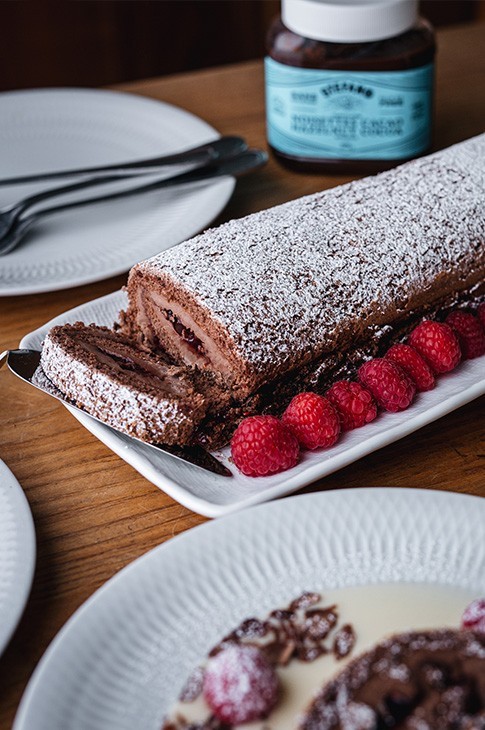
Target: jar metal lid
[(349, 21)]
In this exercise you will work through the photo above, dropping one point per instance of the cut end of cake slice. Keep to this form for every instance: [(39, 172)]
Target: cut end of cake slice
[(109, 377), (163, 315)]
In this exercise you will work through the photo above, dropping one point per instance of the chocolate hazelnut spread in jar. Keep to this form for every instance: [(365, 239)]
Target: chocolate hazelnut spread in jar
[(349, 84)]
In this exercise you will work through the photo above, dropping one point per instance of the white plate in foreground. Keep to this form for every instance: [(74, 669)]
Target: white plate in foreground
[(212, 495), (17, 553), (59, 129), (122, 658)]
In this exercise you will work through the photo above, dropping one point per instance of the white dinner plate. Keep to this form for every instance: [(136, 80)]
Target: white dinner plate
[(17, 553), (212, 495), (123, 657), (50, 129)]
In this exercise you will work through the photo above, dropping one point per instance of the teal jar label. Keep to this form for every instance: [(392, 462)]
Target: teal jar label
[(348, 115)]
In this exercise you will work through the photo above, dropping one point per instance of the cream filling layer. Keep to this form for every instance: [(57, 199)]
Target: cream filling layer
[(155, 374), (211, 358)]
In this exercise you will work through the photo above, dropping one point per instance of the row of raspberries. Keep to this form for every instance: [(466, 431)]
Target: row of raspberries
[(264, 445)]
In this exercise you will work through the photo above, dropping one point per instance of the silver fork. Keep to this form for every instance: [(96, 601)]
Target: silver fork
[(235, 166), (222, 148), (25, 364)]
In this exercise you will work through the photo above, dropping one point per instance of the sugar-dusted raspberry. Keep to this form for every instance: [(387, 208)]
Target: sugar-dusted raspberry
[(240, 685), (413, 364), (474, 616), (354, 403), (470, 333), (388, 383), (437, 344), (263, 445), (314, 420), (481, 313)]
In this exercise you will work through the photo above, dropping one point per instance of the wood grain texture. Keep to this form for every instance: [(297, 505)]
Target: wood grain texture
[(93, 513)]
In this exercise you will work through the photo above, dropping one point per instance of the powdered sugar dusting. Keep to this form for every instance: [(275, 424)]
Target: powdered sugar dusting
[(147, 416), (344, 641), (287, 282)]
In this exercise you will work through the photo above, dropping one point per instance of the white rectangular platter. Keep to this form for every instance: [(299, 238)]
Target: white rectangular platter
[(212, 495)]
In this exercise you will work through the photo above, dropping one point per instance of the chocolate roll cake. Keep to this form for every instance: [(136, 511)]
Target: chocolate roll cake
[(292, 298), (291, 289), (428, 680), (140, 394)]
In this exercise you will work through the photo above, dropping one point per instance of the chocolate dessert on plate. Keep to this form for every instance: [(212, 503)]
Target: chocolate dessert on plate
[(301, 668), (294, 297), (422, 680)]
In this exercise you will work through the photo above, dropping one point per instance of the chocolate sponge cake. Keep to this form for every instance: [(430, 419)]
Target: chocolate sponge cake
[(103, 373), (427, 680), (289, 289), (289, 299)]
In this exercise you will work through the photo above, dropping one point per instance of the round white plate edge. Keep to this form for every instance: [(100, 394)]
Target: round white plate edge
[(227, 188), (36, 678), (313, 472), (43, 289), (26, 558)]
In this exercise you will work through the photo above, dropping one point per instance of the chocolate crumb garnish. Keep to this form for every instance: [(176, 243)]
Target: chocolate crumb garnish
[(282, 614), (305, 601), (308, 654), (344, 641), (193, 686), (299, 632), (251, 628), (286, 652), (319, 622)]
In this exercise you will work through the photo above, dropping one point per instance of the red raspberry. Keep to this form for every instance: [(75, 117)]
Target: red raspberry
[(240, 685), (263, 445), (388, 383), (313, 420), (470, 333), (474, 616), (481, 313), (355, 405), (413, 364), (437, 344)]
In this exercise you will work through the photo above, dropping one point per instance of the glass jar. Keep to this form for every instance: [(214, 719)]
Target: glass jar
[(349, 84)]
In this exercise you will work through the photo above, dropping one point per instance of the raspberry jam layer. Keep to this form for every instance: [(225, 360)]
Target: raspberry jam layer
[(184, 332), (374, 612)]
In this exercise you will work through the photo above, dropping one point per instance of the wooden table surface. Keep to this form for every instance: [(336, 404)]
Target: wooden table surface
[(93, 513)]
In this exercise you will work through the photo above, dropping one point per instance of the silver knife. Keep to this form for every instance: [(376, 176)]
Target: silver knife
[(201, 155), (26, 365)]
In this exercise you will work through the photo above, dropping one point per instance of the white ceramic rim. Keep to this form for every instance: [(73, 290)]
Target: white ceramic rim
[(226, 184), (24, 557), (384, 529)]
